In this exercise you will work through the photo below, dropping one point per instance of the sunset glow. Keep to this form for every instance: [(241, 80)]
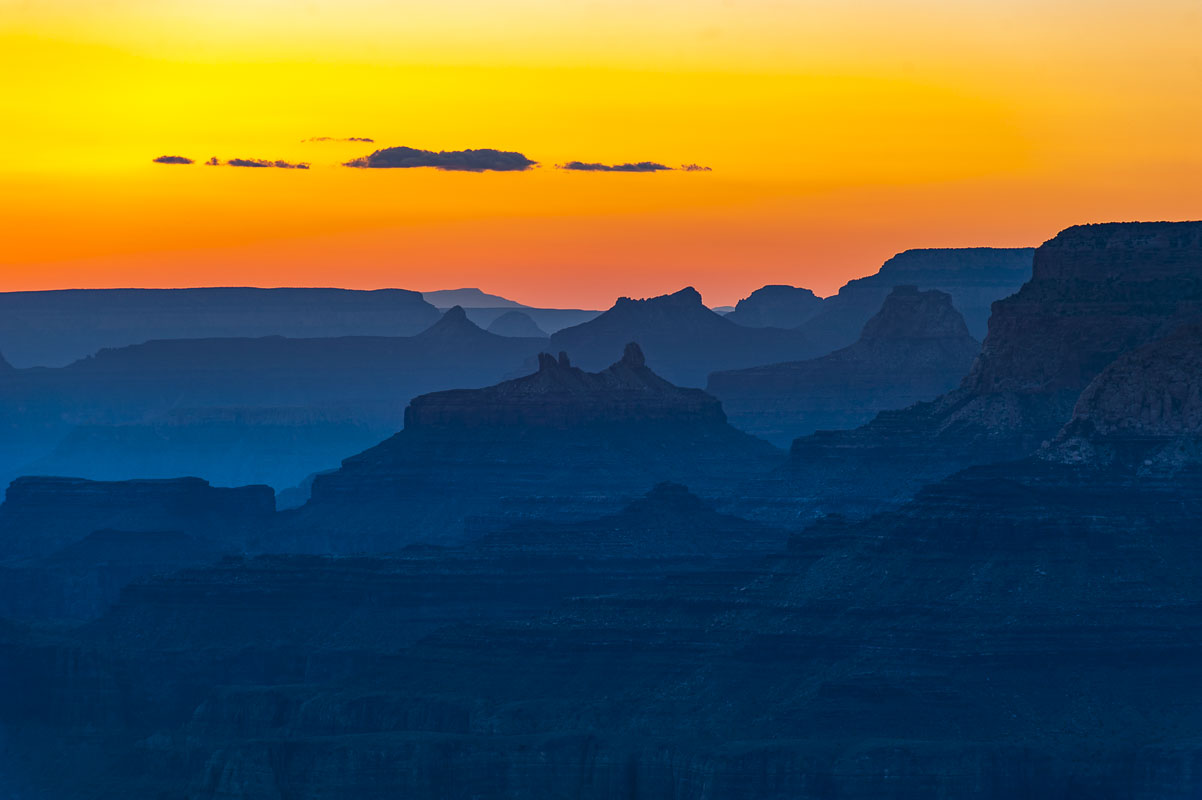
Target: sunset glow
[(838, 134)]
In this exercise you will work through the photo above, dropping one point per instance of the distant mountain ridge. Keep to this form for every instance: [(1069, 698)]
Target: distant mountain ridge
[(776, 306), (975, 277), (54, 328), (468, 298), (274, 409), (915, 348), (682, 339)]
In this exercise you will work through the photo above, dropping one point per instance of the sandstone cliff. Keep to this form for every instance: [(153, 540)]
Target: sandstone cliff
[(1097, 291), (1144, 411)]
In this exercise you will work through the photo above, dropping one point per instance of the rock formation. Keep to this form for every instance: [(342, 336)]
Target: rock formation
[(776, 307), (561, 443), (559, 395), (915, 348), (684, 341), (1097, 291), (515, 323), (1143, 412), (975, 277)]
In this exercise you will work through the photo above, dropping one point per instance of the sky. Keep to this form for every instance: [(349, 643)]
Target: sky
[(837, 133)]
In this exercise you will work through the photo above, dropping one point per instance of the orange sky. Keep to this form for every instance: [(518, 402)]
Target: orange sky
[(838, 133)]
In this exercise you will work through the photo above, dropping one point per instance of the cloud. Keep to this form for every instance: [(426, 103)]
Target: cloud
[(259, 162), (459, 160), (339, 139), (695, 168), (172, 160), (642, 166)]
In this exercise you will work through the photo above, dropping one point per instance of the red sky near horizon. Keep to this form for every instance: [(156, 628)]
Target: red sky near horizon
[(838, 133)]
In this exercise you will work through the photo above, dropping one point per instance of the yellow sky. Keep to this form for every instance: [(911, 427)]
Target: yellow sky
[(838, 133)]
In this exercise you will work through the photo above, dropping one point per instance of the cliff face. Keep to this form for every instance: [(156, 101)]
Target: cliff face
[(41, 515), (1144, 411), (57, 327), (561, 443), (684, 341), (915, 348), (1097, 292), (776, 307), (974, 277)]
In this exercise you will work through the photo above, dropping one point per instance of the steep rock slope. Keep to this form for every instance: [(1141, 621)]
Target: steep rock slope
[(1097, 291), (915, 348), (1143, 412), (561, 443), (684, 341)]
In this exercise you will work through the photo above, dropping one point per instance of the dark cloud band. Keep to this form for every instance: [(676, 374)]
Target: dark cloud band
[(339, 139), (172, 160), (458, 160), (259, 162), (641, 166)]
